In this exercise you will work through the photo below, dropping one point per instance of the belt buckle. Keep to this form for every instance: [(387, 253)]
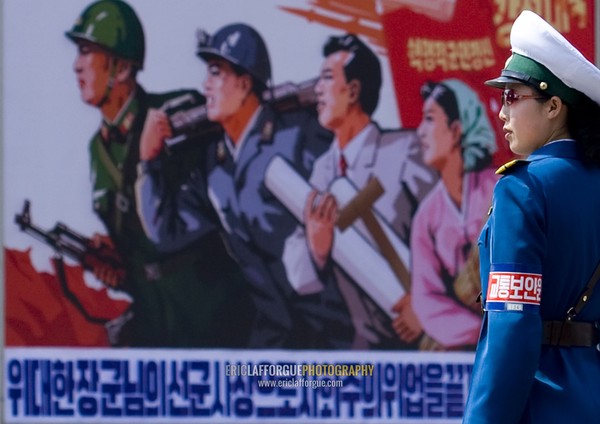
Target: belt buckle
[(122, 202), (152, 271)]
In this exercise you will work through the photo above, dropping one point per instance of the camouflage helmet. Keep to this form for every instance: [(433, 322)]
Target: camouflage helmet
[(241, 45), (113, 25)]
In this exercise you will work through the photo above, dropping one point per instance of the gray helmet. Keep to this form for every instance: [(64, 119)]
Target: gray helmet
[(241, 45), (113, 25)]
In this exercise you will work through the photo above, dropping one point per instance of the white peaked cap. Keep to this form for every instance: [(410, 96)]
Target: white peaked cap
[(533, 38)]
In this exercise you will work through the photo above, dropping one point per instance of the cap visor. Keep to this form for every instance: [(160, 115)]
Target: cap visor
[(501, 81)]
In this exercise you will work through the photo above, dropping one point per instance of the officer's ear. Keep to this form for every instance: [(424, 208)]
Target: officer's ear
[(555, 107)]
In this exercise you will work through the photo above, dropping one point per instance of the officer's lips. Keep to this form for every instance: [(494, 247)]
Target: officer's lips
[(507, 132)]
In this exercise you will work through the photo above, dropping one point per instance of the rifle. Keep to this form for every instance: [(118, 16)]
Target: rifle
[(69, 243), (189, 119)]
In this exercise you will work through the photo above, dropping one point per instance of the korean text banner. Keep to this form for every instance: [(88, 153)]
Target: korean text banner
[(99, 385)]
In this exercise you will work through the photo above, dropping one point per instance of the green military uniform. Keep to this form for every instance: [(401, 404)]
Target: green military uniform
[(187, 298), (192, 297)]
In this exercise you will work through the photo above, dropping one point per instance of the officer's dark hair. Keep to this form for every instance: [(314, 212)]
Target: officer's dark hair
[(442, 96), (583, 122), (258, 88), (363, 66)]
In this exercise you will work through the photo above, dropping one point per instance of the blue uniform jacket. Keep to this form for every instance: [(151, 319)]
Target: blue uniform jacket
[(538, 249)]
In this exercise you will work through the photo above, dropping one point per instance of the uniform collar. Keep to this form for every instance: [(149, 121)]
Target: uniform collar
[(566, 148)]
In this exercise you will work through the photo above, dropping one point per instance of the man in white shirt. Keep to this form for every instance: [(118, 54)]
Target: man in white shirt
[(347, 95)]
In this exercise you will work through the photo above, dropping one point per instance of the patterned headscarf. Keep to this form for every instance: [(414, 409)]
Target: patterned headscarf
[(478, 137)]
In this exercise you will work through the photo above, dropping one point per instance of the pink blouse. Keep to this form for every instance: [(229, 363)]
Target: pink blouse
[(441, 238)]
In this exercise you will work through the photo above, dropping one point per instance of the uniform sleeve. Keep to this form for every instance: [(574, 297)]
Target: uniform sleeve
[(172, 219), (510, 342)]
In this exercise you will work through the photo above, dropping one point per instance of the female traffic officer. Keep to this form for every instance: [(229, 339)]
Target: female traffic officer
[(537, 359)]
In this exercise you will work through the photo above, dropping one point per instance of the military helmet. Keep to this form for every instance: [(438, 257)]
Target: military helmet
[(241, 45), (113, 25)]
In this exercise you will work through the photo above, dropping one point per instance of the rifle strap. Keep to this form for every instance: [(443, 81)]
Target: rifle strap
[(59, 268), (585, 296)]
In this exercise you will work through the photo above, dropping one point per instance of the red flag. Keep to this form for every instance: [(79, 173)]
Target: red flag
[(472, 46), (39, 314)]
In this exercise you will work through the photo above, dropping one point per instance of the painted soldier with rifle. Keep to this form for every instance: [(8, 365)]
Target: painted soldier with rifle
[(180, 297)]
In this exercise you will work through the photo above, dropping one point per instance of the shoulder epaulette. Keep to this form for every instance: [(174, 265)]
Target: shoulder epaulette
[(509, 165)]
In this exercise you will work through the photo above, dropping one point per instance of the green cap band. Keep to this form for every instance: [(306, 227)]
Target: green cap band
[(533, 73)]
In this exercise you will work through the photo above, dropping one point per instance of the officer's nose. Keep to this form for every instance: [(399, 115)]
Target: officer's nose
[(501, 114)]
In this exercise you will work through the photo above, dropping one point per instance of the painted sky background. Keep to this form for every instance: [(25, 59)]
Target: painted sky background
[(47, 127)]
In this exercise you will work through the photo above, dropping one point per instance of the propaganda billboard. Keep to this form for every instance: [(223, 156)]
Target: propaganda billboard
[(226, 210)]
